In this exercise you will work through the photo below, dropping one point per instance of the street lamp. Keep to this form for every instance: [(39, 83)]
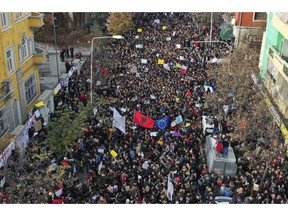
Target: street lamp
[(97, 38), (55, 42)]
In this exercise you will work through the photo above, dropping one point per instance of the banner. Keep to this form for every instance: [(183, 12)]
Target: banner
[(7, 153), (160, 61), (143, 120), (2, 182), (170, 190), (144, 61), (139, 30), (41, 103), (118, 121), (100, 167)]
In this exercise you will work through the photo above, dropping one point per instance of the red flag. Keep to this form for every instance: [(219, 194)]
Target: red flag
[(143, 120)]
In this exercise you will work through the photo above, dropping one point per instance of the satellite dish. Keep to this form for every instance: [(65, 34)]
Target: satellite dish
[(233, 21)]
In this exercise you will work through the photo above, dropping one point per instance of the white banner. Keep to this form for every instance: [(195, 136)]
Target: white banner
[(118, 121), (170, 190), (2, 182), (100, 167), (6, 153)]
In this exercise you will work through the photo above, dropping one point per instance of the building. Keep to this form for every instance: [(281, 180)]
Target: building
[(273, 66), (19, 59), (249, 27)]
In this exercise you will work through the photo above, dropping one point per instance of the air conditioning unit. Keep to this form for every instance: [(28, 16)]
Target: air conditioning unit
[(48, 99)]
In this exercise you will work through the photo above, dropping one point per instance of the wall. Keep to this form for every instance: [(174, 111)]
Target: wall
[(247, 20), (271, 39)]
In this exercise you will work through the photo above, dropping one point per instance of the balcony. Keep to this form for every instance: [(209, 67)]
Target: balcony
[(280, 63), (39, 55), (6, 90), (280, 22), (36, 20)]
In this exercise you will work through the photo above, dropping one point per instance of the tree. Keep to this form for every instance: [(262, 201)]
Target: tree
[(67, 128), (120, 23), (261, 135)]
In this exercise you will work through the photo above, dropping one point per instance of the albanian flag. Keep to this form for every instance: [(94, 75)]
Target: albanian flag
[(143, 120)]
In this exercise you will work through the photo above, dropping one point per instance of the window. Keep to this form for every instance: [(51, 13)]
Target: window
[(30, 88), (3, 123), (19, 15), (284, 49), (10, 59), (24, 49), (5, 20), (260, 16)]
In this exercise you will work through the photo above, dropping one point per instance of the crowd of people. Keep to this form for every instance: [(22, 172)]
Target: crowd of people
[(145, 164)]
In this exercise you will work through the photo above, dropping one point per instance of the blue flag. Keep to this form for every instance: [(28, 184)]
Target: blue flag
[(162, 123)]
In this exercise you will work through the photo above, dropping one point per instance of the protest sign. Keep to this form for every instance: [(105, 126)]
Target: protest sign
[(118, 121), (153, 134), (139, 46), (173, 123), (144, 61), (178, 65), (100, 150), (178, 46), (113, 153), (166, 66), (179, 119), (160, 61), (164, 27), (139, 30), (59, 192), (37, 113), (145, 165), (157, 21), (95, 110), (168, 38)]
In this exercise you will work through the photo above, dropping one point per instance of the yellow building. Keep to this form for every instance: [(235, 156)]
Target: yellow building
[(19, 59)]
